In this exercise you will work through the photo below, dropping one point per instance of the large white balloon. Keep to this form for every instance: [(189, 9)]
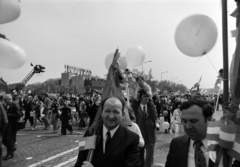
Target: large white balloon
[(196, 35), (108, 60), (135, 56), (11, 55), (122, 61), (9, 10)]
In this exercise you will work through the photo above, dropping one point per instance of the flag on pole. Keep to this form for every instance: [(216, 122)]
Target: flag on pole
[(221, 135), (196, 85), (87, 143), (112, 88)]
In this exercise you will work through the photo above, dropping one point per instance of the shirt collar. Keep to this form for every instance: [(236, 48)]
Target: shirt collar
[(143, 106), (112, 132), (204, 141)]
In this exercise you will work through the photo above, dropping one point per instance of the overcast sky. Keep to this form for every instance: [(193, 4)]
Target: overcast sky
[(83, 32)]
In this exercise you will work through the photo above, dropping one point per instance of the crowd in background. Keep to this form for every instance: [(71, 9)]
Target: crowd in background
[(47, 110), (82, 108)]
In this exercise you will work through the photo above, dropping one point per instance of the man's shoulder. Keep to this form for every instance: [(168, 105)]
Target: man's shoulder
[(180, 139), (129, 134)]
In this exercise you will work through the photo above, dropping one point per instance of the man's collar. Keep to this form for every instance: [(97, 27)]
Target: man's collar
[(204, 141), (111, 131)]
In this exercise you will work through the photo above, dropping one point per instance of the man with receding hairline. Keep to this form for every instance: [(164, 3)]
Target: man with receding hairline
[(190, 150), (116, 146)]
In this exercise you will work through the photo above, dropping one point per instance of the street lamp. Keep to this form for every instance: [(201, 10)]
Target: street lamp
[(145, 62), (163, 73), (173, 78)]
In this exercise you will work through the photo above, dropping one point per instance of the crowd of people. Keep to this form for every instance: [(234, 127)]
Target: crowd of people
[(145, 110)]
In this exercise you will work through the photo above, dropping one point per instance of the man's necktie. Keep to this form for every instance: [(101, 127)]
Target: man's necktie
[(200, 160), (144, 112), (108, 138)]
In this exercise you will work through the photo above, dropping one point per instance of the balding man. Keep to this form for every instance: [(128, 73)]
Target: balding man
[(116, 145)]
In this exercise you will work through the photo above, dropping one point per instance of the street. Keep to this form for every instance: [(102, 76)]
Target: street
[(43, 148)]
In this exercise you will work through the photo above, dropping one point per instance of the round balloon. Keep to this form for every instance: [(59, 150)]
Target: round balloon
[(11, 55), (9, 10), (108, 60), (196, 35), (122, 61), (165, 125), (135, 56)]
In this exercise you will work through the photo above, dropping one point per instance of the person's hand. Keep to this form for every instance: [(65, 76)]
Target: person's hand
[(87, 164)]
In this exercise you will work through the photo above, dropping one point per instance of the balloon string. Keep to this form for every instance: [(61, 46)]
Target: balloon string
[(199, 59), (211, 63)]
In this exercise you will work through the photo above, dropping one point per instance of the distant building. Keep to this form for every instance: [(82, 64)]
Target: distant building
[(80, 78)]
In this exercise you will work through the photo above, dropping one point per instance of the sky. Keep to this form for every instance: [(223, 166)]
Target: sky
[(82, 33)]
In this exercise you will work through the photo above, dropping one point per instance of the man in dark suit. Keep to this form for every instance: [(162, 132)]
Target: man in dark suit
[(190, 150), (3, 124), (146, 116), (9, 134), (116, 146)]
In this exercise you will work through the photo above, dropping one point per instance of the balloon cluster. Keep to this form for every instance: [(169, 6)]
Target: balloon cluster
[(134, 58), (11, 55)]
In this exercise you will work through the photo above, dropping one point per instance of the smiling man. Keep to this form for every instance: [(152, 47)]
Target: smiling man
[(116, 146)]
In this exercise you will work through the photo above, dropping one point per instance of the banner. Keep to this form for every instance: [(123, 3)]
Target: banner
[(77, 70)]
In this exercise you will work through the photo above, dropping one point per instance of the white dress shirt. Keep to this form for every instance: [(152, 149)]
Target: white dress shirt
[(207, 154), (143, 106), (191, 161), (105, 130)]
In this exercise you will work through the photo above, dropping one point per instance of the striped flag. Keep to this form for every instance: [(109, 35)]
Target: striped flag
[(213, 131), (87, 143), (221, 135), (235, 151)]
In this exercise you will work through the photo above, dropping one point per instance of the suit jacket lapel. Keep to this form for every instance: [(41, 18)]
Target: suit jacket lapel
[(140, 111), (114, 142), (182, 154)]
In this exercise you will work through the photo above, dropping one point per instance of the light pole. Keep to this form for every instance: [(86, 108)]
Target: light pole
[(163, 73), (173, 78), (145, 62)]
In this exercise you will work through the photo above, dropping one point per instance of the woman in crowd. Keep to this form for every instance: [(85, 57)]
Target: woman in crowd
[(176, 119), (134, 127)]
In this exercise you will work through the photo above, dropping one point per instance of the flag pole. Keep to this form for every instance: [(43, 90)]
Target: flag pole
[(225, 54), (225, 156)]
